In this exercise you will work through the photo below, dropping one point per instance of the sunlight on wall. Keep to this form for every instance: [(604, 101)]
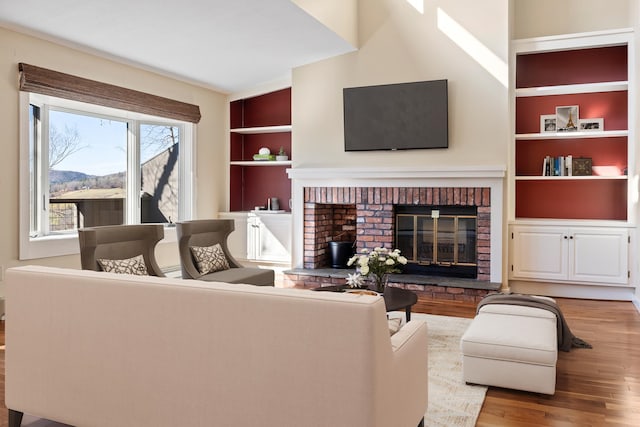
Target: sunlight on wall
[(634, 191), (473, 47), (417, 5)]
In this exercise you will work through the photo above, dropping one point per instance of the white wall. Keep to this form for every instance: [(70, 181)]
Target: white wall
[(400, 44), (211, 136)]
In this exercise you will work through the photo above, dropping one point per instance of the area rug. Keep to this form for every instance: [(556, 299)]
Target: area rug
[(452, 403)]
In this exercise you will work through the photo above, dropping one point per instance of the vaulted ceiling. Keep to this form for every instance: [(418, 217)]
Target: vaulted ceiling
[(227, 45)]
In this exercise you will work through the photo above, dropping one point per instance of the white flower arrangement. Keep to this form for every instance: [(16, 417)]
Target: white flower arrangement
[(376, 264)]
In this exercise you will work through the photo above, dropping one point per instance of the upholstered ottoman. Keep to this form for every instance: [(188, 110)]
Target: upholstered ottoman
[(511, 346)]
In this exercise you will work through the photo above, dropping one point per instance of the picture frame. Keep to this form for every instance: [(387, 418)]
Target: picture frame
[(567, 118), (591, 125), (547, 123)]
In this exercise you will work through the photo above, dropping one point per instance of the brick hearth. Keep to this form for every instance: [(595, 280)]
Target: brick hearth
[(430, 287)]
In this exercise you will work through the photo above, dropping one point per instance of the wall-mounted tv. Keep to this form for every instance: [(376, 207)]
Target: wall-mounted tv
[(400, 116)]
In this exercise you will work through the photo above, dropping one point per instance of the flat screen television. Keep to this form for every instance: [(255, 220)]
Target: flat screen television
[(400, 116)]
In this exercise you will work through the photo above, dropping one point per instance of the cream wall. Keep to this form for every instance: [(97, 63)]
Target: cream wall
[(338, 15), (551, 17), (211, 136), (400, 44)]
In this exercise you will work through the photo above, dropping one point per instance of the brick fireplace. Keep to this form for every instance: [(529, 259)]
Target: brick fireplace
[(366, 215), (358, 204)]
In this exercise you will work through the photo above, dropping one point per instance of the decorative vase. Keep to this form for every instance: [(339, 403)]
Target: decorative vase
[(379, 282)]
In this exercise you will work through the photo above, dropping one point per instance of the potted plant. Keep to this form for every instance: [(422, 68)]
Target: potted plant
[(282, 155)]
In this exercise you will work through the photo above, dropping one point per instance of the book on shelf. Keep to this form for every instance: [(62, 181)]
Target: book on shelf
[(557, 166)]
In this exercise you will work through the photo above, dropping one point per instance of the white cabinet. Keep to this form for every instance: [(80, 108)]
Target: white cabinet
[(569, 254), (260, 236), (269, 237)]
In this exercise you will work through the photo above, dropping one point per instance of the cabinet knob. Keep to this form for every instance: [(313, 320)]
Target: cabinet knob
[(564, 237)]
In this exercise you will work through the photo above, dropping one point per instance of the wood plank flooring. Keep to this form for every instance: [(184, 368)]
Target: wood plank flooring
[(597, 387)]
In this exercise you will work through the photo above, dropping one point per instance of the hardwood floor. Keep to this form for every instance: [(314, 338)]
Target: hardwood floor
[(596, 387)]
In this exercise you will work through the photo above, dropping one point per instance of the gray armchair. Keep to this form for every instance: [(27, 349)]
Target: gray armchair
[(114, 242), (208, 232)]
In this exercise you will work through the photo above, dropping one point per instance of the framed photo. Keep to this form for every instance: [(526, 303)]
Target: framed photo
[(567, 118), (589, 125), (547, 123)]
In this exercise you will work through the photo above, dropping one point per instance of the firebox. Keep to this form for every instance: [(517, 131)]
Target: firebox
[(438, 240)]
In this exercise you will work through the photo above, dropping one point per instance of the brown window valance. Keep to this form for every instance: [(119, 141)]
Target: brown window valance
[(53, 83)]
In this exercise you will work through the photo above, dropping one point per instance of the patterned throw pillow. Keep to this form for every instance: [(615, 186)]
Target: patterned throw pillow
[(210, 258), (133, 265), (394, 325)]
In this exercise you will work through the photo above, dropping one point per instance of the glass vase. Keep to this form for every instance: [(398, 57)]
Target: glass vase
[(378, 283)]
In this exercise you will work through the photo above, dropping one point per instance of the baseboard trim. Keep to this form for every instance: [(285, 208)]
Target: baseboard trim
[(571, 290)]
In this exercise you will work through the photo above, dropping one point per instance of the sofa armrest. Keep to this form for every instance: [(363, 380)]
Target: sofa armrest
[(410, 372)]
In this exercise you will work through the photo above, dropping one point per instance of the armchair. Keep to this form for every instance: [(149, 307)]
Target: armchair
[(120, 242), (208, 232)]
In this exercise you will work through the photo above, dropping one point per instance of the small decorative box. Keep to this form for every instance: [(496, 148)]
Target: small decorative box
[(581, 166)]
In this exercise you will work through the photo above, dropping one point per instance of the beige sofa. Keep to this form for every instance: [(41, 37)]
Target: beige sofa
[(91, 348)]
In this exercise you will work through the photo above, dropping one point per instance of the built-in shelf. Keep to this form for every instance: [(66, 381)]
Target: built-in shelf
[(573, 89), (255, 123), (555, 178), (572, 135), (261, 163), (263, 129)]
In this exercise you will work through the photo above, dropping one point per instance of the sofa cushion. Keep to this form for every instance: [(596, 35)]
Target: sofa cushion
[(520, 339), (209, 259), (133, 265)]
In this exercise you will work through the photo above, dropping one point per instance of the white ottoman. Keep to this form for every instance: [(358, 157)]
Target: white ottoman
[(511, 346)]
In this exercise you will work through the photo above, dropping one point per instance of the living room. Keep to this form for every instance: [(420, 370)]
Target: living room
[(393, 42)]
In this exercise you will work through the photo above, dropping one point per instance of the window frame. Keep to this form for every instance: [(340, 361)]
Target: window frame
[(66, 243)]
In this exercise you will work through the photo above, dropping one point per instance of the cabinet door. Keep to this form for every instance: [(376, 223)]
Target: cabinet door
[(599, 255), (269, 237), (539, 253)]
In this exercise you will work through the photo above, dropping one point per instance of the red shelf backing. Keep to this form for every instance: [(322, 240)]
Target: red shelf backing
[(251, 186), (572, 199), (270, 109), (611, 106), (252, 143), (605, 64), (610, 152)]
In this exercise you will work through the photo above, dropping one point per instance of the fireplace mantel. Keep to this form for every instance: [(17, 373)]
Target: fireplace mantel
[(386, 173), (491, 177)]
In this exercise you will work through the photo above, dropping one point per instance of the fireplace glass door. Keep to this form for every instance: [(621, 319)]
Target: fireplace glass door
[(441, 239)]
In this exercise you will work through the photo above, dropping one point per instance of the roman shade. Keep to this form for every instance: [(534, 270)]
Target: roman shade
[(61, 85)]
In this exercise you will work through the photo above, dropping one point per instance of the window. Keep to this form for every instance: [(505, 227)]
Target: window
[(90, 166)]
